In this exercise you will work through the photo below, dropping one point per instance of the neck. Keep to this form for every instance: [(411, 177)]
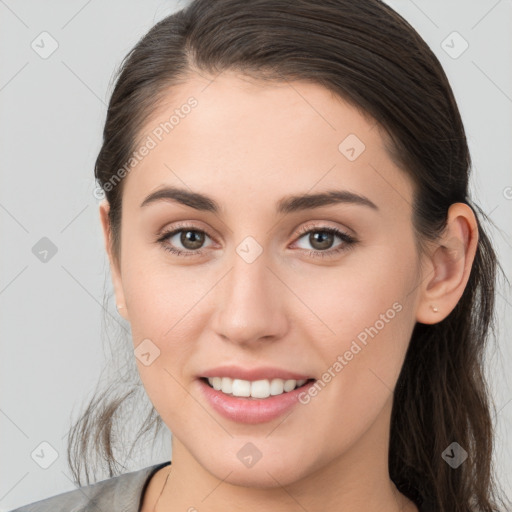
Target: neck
[(358, 479)]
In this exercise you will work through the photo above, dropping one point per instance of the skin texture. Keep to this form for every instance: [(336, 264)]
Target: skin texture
[(248, 144)]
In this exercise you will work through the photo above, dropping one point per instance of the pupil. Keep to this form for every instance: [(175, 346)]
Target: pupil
[(194, 238), (323, 236)]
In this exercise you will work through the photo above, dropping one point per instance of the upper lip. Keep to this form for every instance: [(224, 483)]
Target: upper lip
[(258, 373)]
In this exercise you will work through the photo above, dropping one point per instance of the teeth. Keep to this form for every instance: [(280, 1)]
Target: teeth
[(256, 389)]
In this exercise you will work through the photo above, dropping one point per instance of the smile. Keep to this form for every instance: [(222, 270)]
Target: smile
[(262, 388)]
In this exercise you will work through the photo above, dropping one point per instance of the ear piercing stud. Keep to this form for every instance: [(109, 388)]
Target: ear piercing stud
[(434, 309)]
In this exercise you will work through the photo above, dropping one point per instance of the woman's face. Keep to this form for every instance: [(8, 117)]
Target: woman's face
[(270, 287)]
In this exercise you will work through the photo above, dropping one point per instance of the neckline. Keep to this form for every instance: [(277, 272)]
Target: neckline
[(423, 506), (154, 469)]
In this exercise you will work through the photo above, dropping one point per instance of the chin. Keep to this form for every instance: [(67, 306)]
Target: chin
[(270, 471)]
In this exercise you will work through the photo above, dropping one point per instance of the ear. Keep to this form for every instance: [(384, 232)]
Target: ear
[(448, 265), (114, 264)]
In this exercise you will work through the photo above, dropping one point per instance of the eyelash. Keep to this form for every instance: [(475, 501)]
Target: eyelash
[(348, 241)]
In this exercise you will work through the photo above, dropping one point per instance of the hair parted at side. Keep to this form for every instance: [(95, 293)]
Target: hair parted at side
[(367, 54)]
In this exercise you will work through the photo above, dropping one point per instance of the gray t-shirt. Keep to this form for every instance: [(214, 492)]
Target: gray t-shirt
[(123, 493)]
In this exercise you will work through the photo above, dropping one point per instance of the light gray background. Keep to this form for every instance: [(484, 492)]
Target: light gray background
[(52, 114)]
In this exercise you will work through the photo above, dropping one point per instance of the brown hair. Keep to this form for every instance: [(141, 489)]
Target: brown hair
[(369, 55)]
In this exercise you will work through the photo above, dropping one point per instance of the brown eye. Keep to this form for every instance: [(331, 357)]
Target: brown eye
[(192, 240), (321, 240), (185, 241)]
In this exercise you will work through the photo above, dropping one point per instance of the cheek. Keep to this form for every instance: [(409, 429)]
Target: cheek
[(163, 305), (361, 351), (367, 291), (363, 321), (161, 297)]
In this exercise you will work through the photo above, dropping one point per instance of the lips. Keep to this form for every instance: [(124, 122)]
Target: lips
[(259, 405), (253, 374), (250, 410)]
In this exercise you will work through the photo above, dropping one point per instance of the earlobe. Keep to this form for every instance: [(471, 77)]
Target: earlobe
[(449, 265), (114, 270)]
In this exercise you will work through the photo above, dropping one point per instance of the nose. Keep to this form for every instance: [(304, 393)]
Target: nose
[(250, 303)]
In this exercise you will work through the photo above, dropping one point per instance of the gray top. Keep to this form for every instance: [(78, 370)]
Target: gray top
[(121, 493)]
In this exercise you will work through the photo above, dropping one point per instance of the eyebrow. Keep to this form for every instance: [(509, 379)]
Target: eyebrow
[(288, 204)]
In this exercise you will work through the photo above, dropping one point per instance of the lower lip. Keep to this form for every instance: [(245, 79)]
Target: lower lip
[(251, 410)]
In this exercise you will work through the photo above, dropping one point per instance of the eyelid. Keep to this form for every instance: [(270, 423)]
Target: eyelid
[(167, 233), (183, 225), (304, 229), (348, 241), (310, 226)]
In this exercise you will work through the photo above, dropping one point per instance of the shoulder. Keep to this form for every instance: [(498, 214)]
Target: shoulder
[(120, 493)]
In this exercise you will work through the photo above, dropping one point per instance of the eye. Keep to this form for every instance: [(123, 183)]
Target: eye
[(192, 239), (322, 239), (189, 237)]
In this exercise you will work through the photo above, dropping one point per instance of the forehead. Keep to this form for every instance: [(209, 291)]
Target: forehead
[(243, 140)]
